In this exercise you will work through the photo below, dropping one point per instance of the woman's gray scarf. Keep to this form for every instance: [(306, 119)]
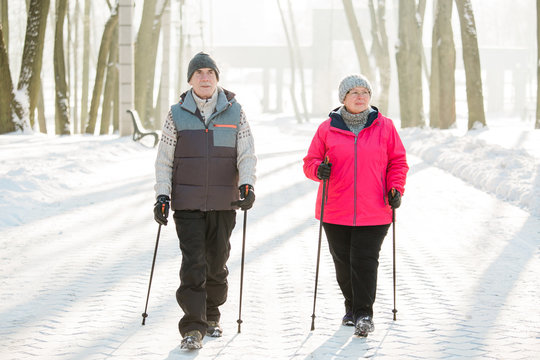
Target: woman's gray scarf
[(355, 122)]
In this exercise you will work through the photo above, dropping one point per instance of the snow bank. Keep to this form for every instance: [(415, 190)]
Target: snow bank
[(510, 174)]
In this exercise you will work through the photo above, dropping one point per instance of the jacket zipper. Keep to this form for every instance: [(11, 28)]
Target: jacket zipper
[(355, 176)]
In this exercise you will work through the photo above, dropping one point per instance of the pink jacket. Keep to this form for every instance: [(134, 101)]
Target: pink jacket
[(364, 169)]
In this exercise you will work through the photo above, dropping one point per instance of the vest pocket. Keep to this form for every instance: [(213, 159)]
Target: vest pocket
[(224, 135)]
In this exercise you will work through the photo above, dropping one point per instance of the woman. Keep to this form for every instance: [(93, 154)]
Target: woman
[(359, 152)]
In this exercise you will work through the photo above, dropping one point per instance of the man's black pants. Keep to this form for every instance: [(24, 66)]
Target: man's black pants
[(355, 250), (204, 242)]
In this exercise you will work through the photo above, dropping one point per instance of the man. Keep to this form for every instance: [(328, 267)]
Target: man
[(206, 151)]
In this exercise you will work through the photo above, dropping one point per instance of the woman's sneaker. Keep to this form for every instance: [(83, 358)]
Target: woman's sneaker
[(363, 326), (348, 319), (192, 340), (214, 330)]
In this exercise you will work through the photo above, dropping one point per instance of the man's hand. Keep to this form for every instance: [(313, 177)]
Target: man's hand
[(161, 209), (247, 197)]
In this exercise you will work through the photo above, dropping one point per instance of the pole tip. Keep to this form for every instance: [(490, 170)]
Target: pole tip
[(144, 316)]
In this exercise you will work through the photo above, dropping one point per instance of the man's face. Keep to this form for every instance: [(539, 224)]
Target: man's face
[(204, 82)]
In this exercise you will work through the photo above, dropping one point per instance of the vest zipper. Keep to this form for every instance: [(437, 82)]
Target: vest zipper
[(207, 169)]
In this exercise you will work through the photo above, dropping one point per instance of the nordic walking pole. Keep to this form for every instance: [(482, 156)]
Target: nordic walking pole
[(144, 314), (318, 251), (239, 321), (394, 257)]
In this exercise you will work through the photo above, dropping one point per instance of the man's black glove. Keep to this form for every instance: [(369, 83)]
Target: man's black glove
[(323, 171), (161, 209), (247, 197), (394, 198)]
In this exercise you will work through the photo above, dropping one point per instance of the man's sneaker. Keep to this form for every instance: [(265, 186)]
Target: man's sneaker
[(364, 325), (348, 319), (214, 330), (192, 340)]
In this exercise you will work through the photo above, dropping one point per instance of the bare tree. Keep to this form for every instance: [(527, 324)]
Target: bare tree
[(442, 109), (471, 60), (29, 78), (537, 125), (6, 89), (380, 50), (409, 65), (61, 90), (292, 64), (85, 64), (103, 55), (110, 81), (144, 57), (361, 52), (298, 61), (5, 22)]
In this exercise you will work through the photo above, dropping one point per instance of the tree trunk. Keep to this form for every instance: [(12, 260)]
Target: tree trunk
[(144, 57), (358, 40), (74, 45), (6, 89), (180, 80), (299, 62), (100, 70), (86, 65), (380, 50), (409, 66), (61, 91), (292, 64), (443, 66), (537, 124), (163, 100), (5, 23), (29, 78), (108, 94), (471, 60)]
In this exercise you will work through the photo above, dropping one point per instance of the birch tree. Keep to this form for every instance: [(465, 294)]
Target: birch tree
[(358, 40), (29, 78), (537, 125), (380, 50), (61, 91), (471, 60), (6, 89), (103, 55), (409, 65), (442, 109)]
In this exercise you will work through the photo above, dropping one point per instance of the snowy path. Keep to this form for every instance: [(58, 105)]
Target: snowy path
[(74, 278)]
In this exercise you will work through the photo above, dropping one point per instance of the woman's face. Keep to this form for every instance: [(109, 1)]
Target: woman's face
[(357, 100)]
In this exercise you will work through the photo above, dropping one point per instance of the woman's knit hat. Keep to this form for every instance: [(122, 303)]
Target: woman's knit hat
[(350, 82), (201, 61)]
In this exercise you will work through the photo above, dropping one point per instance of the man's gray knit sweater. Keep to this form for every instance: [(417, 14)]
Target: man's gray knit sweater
[(246, 159)]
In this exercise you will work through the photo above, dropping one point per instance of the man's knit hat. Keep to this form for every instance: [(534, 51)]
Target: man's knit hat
[(201, 61), (350, 82)]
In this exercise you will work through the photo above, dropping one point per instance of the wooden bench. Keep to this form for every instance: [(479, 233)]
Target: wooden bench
[(138, 129)]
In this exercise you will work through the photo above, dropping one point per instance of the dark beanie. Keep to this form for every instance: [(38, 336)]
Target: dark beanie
[(201, 61)]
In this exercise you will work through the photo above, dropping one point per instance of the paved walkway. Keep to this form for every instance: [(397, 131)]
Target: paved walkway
[(73, 284)]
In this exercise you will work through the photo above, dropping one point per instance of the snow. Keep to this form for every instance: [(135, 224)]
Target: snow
[(77, 237)]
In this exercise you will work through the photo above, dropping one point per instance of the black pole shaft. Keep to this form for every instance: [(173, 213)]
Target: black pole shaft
[(239, 321), (145, 315), (318, 256), (394, 257)]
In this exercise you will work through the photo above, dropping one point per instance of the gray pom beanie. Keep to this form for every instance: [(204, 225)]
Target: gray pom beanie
[(350, 82), (201, 61)]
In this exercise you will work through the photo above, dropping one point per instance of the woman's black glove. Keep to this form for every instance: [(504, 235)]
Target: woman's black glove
[(161, 209), (247, 197), (394, 198), (323, 171)]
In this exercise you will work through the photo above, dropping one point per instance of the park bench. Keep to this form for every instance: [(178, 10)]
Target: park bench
[(138, 129)]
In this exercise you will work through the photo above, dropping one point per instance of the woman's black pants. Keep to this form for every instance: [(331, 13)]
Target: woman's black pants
[(355, 250)]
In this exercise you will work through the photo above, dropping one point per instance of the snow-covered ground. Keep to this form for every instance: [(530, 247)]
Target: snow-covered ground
[(77, 237)]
